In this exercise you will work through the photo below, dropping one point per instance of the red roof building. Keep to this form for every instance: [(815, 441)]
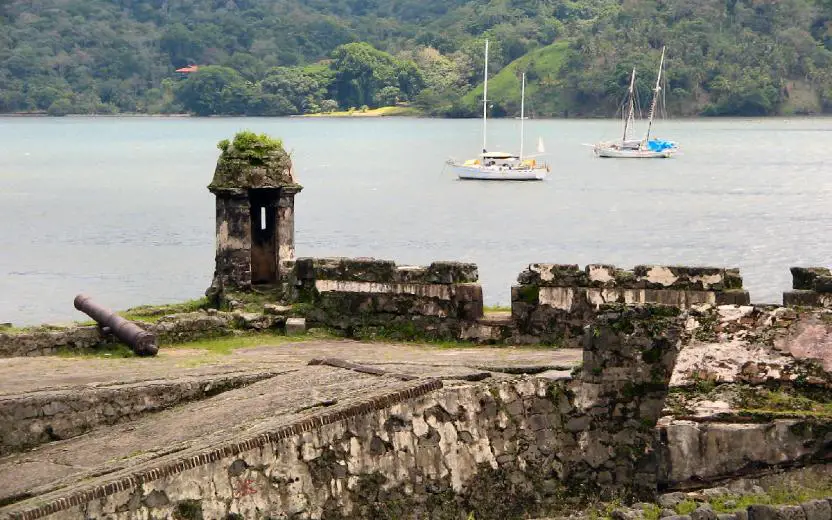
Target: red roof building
[(188, 69)]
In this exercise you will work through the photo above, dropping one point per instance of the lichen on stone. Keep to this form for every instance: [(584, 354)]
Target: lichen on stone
[(252, 161)]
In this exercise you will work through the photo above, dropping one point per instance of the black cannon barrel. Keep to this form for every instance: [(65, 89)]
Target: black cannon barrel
[(142, 342)]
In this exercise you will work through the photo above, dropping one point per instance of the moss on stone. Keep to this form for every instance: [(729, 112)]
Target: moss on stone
[(188, 510), (529, 293), (252, 161)]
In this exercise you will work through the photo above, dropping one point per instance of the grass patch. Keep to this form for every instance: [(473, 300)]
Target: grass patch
[(497, 308), (778, 402), (151, 313), (398, 110), (778, 496), (228, 344)]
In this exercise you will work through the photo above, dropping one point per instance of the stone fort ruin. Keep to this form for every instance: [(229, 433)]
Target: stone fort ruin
[(652, 379)]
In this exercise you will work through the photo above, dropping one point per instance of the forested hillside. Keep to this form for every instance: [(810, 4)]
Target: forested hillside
[(278, 57)]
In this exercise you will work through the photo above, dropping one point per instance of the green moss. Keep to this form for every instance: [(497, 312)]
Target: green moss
[(252, 161), (302, 309), (151, 313), (687, 507), (252, 147), (529, 294), (784, 401), (781, 495), (188, 510)]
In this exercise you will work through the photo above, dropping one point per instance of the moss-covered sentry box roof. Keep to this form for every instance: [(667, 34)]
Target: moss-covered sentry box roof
[(252, 161)]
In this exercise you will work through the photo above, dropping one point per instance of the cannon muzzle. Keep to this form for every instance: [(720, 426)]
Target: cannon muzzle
[(140, 341)]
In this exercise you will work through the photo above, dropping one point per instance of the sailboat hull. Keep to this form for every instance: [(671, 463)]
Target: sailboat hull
[(627, 153), (495, 174)]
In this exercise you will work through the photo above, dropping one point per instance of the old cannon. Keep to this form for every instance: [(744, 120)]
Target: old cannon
[(140, 341)]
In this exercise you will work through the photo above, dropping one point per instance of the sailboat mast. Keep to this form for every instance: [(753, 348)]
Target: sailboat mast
[(485, 99), (522, 112), (631, 105), (655, 98)]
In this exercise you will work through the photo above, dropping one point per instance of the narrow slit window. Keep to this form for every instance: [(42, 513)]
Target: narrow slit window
[(263, 218)]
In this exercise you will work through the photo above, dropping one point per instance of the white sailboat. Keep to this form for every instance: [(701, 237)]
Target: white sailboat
[(501, 166), (638, 149)]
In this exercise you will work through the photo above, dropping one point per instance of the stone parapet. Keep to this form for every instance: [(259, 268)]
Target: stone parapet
[(384, 271), (812, 287), (552, 301), (658, 277), (350, 293)]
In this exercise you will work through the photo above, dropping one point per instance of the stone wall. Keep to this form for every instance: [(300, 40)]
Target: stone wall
[(696, 453), (553, 302), (174, 328), (353, 293), (812, 287), (36, 418), (504, 449)]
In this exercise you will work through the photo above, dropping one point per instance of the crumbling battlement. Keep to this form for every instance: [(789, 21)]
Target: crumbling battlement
[(812, 287), (552, 302), (348, 293)]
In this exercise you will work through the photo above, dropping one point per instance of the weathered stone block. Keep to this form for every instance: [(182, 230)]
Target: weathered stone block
[(733, 297), (599, 275), (733, 280), (801, 298), (671, 500), (680, 277), (553, 275), (703, 512), (763, 512), (295, 326), (277, 310), (791, 513), (823, 284), (411, 274), (803, 278), (452, 272), (817, 510)]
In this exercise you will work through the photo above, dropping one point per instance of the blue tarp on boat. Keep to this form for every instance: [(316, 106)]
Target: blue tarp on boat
[(660, 145)]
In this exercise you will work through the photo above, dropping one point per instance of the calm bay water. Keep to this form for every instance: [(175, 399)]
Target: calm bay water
[(117, 207)]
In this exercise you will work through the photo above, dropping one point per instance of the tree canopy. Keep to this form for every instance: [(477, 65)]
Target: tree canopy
[(283, 57)]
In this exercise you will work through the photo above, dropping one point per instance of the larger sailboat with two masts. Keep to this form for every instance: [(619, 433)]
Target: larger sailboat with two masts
[(501, 166), (645, 148)]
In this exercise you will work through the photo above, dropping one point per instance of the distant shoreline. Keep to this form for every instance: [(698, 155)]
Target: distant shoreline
[(398, 112)]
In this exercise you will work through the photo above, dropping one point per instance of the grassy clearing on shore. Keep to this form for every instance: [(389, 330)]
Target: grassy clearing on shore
[(399, 111)]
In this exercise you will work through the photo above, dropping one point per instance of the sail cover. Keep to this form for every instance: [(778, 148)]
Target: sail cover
[(659, 145)]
